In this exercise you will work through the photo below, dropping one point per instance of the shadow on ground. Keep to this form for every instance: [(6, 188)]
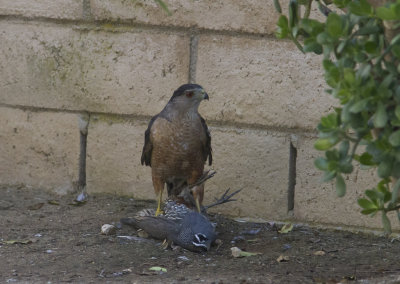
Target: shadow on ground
[(43, 237)]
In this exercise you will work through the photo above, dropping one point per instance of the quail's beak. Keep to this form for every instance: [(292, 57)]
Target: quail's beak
[(206, 96)]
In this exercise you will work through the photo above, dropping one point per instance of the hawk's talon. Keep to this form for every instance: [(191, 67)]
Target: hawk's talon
[(159, 212)]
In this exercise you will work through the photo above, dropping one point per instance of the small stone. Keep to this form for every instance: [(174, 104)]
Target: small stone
[(108, 229), (236, 252), (319, 253)]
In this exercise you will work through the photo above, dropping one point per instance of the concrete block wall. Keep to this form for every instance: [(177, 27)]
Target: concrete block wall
[(119, 61)]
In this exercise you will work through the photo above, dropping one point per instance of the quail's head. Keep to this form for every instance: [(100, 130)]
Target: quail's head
[(197, 233)]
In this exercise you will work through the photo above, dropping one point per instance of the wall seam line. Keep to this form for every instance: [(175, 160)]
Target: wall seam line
[(146, 118)]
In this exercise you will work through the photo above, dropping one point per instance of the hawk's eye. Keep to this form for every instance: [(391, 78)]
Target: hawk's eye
[(190, 94)]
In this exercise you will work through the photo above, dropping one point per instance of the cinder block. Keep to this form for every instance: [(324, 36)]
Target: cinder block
[(252, 16), (101, 71), (261, 81), (113, 160), (317, 202), (56, 9), (39, 149), (256, 161)]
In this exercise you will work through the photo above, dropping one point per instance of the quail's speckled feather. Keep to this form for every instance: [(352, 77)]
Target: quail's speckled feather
[(178, 143)]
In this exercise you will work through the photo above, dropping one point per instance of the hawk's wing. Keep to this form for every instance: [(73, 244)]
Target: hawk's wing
[(148, 144), (207, 150)]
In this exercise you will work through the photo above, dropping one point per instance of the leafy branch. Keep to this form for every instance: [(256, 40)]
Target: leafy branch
[(361, 53)]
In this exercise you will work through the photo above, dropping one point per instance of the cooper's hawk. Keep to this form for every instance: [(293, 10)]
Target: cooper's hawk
[(177, 144)]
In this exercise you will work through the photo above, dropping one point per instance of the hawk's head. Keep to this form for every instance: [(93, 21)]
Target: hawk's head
[(189, 96)]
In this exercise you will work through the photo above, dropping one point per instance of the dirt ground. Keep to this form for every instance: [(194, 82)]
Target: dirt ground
[(44, 238)]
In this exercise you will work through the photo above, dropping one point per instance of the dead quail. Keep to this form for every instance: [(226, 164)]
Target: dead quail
[(179, 225)]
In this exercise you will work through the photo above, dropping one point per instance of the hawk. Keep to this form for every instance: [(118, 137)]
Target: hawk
[(177, 144)]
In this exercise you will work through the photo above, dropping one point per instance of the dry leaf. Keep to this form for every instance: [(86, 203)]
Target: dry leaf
[(286, 228), (237, 252), (158, 268), (282, 258), (13, 242), (36, 206)]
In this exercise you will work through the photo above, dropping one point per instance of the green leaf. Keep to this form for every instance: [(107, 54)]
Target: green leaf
[(321, 164), (313, 47), (374, 195), (394, 138), (346, 167), (328, 176), (293, 13), (277, 6), (366, 204), (311, 26), (366, 159), (361, 8), (283, 27), (329, 122), (385, 168), (371, 47), (386, 223), (368, 211), (386, 82), (324, 38), (348, 75), (341, 46), (359, 106), (340, 186), (370, 29), (385, 13), (344, 149), (395, 192), (345, 115), (396, 51), (341, 3), (334, 25), (164, 6), (323, 144), (397, 111), (380, 118), (364, 71)]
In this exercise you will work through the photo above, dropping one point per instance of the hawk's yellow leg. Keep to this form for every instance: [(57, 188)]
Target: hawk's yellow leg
[(159, 199)]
